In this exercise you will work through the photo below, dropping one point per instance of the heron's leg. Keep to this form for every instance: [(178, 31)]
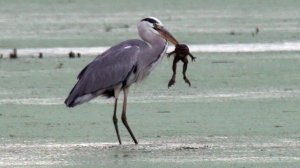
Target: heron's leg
[(172, 80), (185, 64), (115, 120), (124, 118)]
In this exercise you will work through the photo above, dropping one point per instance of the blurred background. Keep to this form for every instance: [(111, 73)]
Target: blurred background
[(69, 23)]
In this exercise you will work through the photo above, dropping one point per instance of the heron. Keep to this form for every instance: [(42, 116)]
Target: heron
[(122, 65)]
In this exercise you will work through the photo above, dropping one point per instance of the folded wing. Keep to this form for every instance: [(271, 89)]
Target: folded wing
[(102, 75)]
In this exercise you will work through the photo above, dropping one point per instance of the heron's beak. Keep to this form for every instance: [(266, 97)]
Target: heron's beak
[(165, 34)]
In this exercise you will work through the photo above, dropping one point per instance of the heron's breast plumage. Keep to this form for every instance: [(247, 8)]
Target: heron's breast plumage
[(159, 57), (149, 62)]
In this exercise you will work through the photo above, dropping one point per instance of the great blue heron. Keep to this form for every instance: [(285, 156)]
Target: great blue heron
[(120, 66)]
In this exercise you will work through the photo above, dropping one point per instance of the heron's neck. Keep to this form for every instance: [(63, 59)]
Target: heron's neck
[(158, 45), (157, 50), (153, 55)]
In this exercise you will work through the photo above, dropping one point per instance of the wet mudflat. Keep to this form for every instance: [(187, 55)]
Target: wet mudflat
[(228, 118)]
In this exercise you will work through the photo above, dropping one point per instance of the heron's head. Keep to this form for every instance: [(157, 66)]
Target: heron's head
[(153, 25)]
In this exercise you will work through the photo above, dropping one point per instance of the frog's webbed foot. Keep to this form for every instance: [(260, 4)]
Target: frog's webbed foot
[(171, 82), (187, 80)]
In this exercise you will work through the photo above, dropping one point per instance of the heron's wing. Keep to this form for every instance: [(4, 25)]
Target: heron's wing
[(107, 71)]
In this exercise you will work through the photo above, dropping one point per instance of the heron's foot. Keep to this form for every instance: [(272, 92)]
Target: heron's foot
[(171, 82), (187, 81)]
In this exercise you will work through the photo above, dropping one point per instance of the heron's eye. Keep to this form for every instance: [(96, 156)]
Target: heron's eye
[(156, 26)]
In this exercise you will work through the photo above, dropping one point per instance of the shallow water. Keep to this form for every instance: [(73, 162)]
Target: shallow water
[(239, 112), (55, 23), (171, 150), (205, 48)]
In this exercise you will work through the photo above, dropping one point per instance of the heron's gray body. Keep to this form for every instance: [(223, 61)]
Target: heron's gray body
[(119, 67)]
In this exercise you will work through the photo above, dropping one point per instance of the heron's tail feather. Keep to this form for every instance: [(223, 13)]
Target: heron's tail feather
[(76, 97), (70, 100), (69, 103)]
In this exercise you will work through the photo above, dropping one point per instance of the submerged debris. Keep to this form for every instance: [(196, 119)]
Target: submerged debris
[(108, 27), (59, 66), (232, 33), (14, 54), (40, 55), (71, 54), (255, 32)]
